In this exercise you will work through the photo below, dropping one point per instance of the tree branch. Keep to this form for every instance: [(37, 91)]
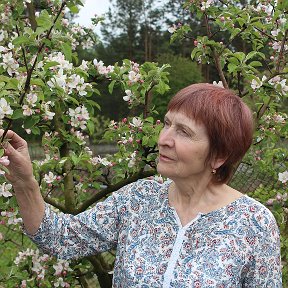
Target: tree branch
[(215, 55), (280, 57)]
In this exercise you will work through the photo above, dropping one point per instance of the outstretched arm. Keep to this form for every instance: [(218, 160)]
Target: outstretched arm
[(27, 191)]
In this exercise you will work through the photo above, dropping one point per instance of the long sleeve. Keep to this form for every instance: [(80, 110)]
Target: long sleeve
[(67, 236), (265, 270)]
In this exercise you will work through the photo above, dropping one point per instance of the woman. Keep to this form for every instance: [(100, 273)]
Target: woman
[(191, 231)]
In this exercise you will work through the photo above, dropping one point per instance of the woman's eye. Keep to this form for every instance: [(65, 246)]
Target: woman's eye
[(184, 132)]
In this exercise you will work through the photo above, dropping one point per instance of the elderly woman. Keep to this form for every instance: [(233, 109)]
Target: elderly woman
[(191, 231)]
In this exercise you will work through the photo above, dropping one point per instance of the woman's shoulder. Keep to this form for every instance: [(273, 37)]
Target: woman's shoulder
[(257, 214)]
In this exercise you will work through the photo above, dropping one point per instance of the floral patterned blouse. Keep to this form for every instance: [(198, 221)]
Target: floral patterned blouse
[(234, 246)]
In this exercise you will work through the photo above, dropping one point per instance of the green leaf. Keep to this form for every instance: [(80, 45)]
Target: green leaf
[(21, 40), (29, 122), (1, 152), (232, 67), (44, 20), (73, 9), (234, 33), (18, 113), (38, 82), (145, 140), (93, 103), (72, 99), (63, 160), (4, 78), (162, 87), (255, 64), (74, 159), (50, 64), (91, 127), (4, 169), (35, 130), (240, 56), (111, 86), (67, 50), (193, 53), (251, 54), (12, 84)]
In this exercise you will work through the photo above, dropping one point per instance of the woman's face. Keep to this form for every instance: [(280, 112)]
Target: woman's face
[(183, 147)]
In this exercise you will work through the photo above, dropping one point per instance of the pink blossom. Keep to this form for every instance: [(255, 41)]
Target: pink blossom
[(4, 161)]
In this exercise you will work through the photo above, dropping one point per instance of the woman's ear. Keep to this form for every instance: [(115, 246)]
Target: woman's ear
[(218, 162)]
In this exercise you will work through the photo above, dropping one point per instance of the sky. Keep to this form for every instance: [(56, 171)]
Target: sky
[(90, 8)]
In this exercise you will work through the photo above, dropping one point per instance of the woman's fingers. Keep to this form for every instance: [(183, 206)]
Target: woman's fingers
[(15, 140)]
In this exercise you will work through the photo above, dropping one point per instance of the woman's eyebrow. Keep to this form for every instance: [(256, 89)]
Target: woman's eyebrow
[(179, 124)]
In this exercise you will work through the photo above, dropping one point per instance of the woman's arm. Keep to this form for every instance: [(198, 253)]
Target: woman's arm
[(265, 270), (26, 188)]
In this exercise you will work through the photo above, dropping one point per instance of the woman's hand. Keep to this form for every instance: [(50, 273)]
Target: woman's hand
[(20, 166), (26, 188)]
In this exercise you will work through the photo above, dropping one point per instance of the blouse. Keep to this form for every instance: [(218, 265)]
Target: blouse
[(234, 246)]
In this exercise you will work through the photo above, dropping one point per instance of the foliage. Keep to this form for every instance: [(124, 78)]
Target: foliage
[(181, 74)]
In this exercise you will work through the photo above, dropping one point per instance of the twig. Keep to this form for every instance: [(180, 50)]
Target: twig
[(23, 51), (281, 52), (264, 33), (226, 45), (238, 83), (215, 55)]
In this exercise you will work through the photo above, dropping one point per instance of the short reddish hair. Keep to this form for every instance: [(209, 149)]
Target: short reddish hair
[(228, 121)]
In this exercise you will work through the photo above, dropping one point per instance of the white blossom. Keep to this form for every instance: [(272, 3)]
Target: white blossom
[(5, 108), (283, 177), (5, 190), (4, 160), (206, 4), (11, 215), (136, 122), (99, 160), (172, 29), (27, 110), (49, 178), (58, 80), (79, 117), (219, 84), (275, 32), (65, 22), (84, 65), (134, 77), (9, 63), (3, 35), (128, 95), (255, 84), (46, 107)]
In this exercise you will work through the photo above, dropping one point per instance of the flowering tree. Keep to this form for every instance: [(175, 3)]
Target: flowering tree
[(48, 93), (258, 73)]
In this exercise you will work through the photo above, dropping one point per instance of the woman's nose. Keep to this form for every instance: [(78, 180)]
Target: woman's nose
[(166, 137)]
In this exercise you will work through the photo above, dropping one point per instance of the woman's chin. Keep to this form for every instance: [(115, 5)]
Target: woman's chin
[(165, 171)]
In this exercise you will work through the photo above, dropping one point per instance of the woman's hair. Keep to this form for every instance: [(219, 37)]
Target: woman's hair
[(228, 121)]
